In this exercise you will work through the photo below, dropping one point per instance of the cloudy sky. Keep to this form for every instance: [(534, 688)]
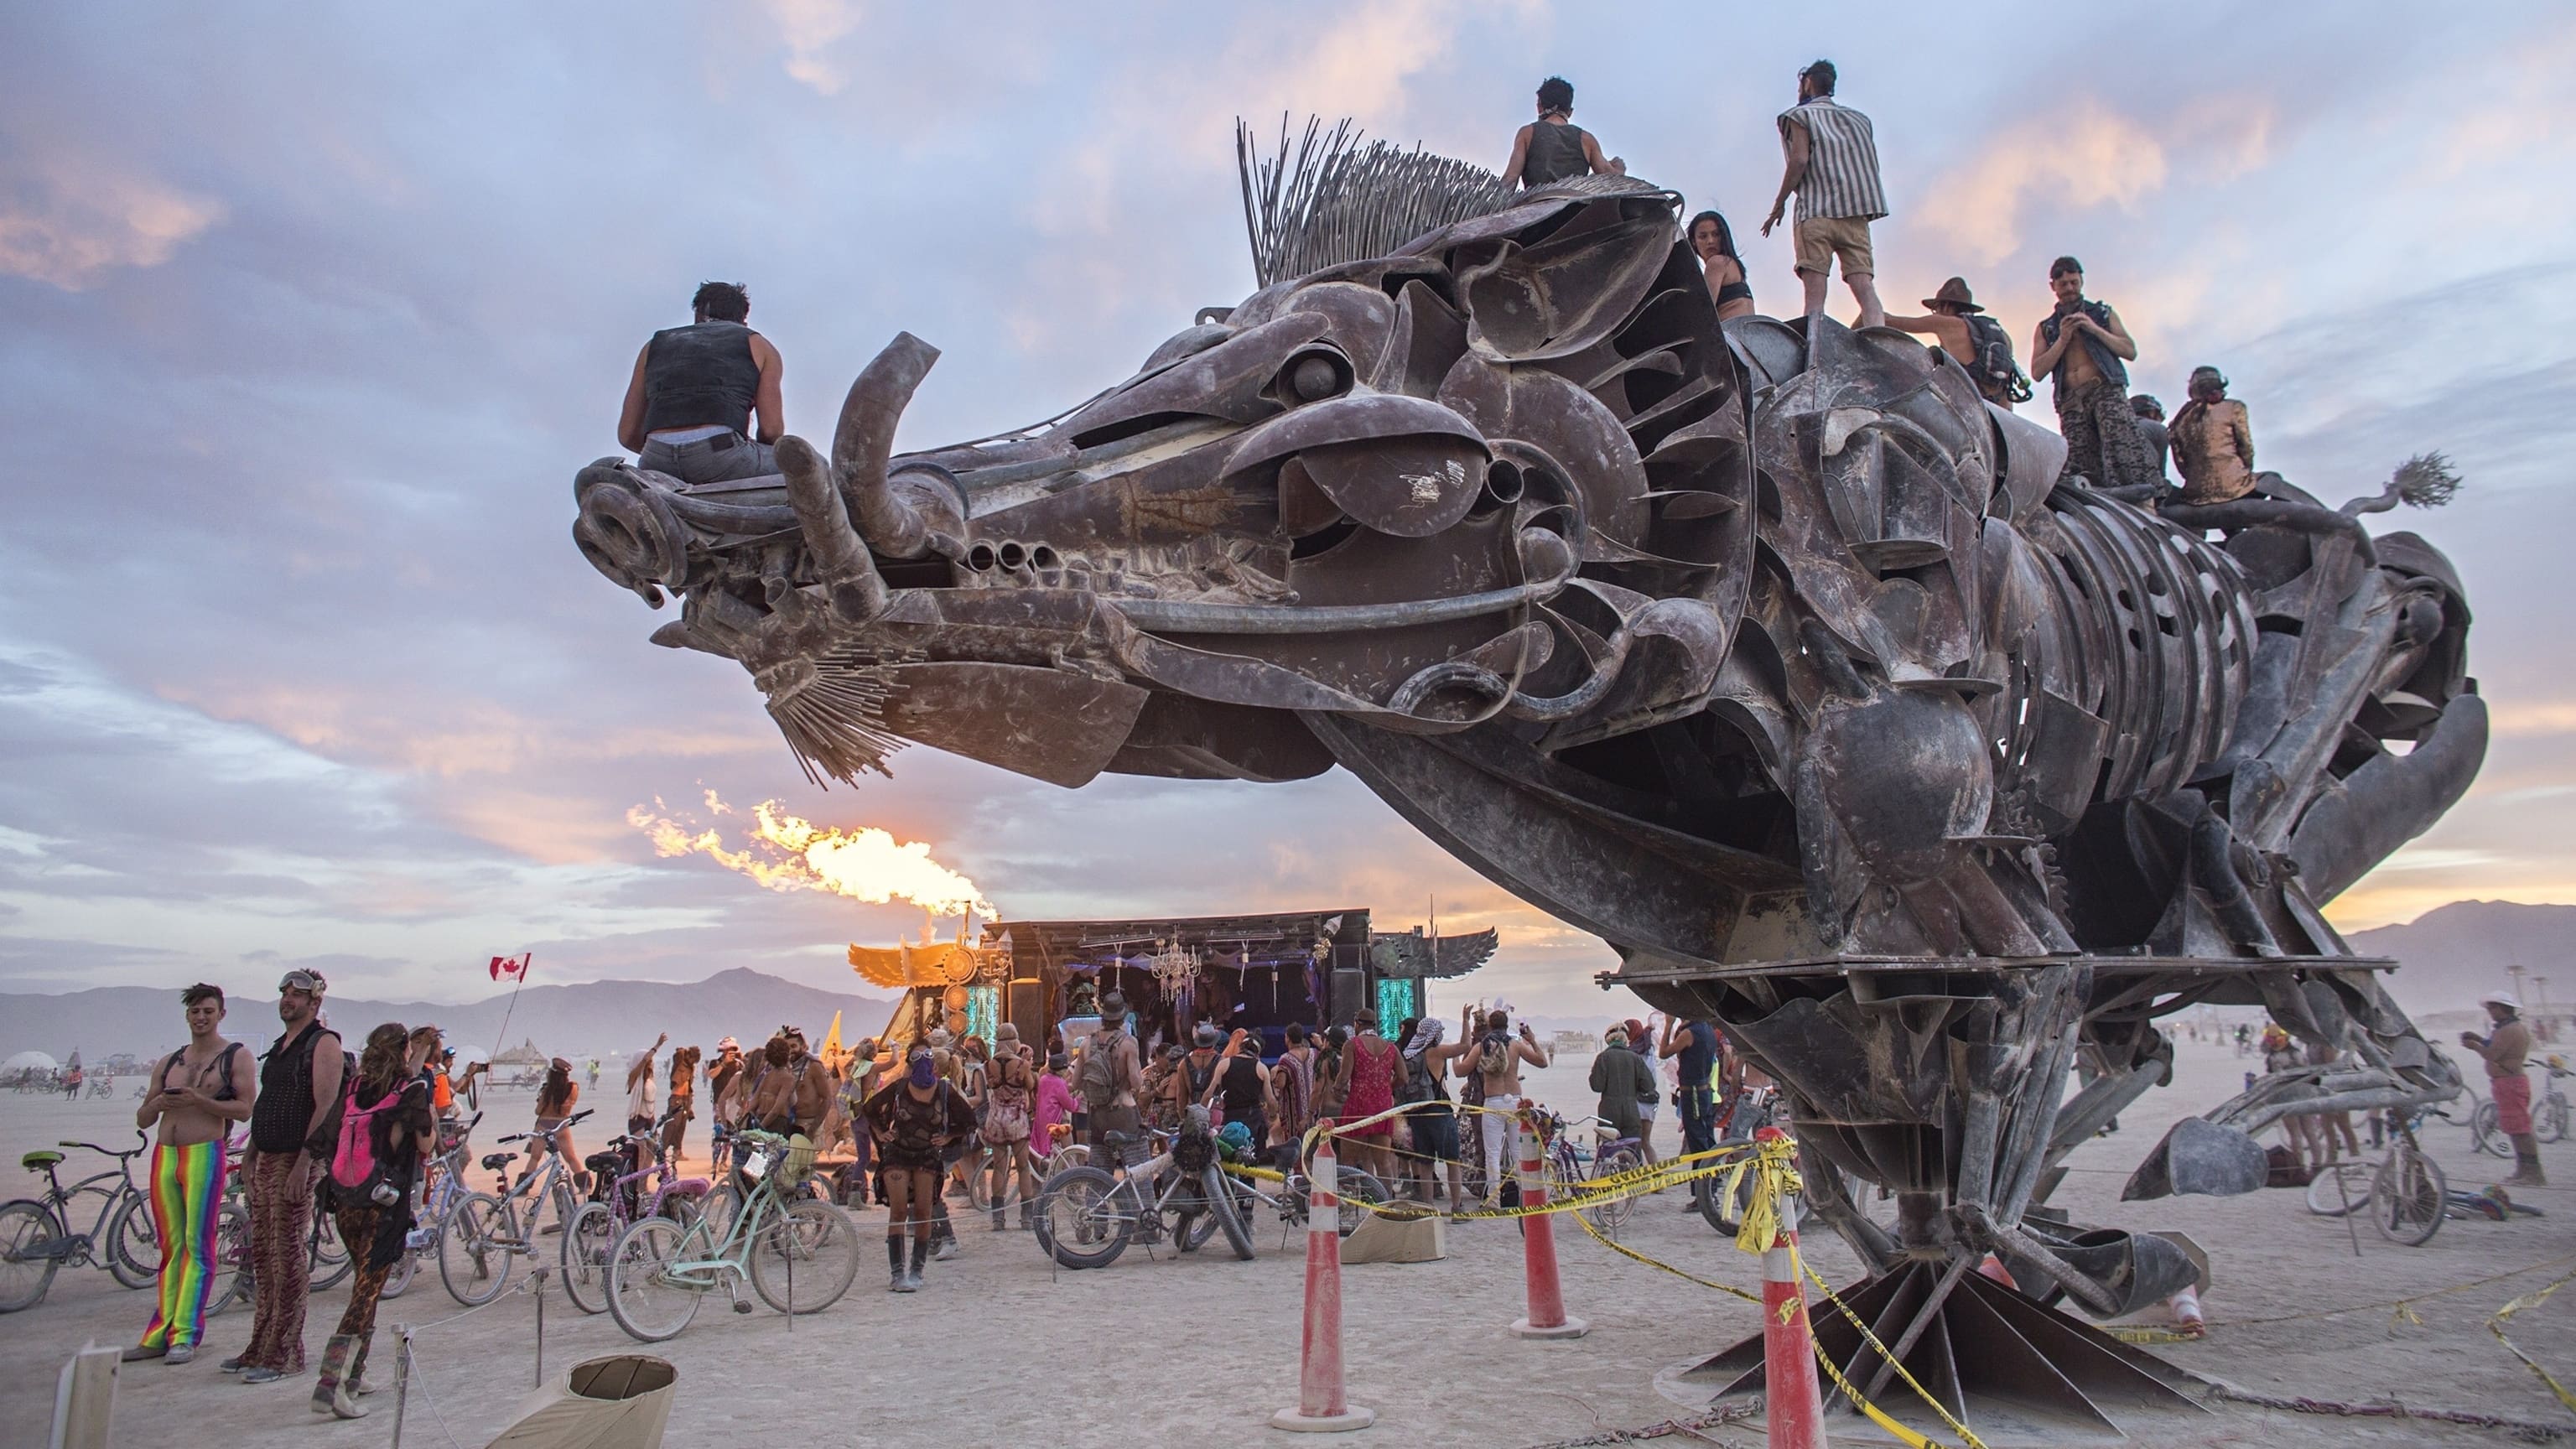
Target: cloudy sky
[(309, 313)]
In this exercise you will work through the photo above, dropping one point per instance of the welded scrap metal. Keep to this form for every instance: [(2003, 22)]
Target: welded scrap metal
[(1769, 652)]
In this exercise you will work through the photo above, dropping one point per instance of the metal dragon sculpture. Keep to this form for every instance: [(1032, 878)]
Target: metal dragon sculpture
[(1770, 653)]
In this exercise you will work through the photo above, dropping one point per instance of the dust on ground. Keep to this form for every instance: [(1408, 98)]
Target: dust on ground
[(1187, 1349)]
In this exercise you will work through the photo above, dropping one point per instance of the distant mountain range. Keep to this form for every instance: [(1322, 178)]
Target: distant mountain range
[(606, 1019), (2447, 956), (2450, 954)]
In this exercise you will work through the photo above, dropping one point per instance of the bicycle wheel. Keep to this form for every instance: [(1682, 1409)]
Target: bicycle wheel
[(645, 1300), (1610, 1216), (718, 1209), (2339, 1189), (474, 1253), (2550, 1122), (330, 1257), (1083, 1222), (133, 1244), (1355, 1186), (2408, 1196), (231, 1283), (814, 1242), (398, 1277), (586, 1244), (2485, 1135), (27, 1234), (1228, 1215)]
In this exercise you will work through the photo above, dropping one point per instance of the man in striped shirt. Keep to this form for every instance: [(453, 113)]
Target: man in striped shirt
[(1833, 166)]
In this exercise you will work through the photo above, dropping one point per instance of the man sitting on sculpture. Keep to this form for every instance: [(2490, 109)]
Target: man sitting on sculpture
[(696, 388), (1553, 148), (1956, 325), (2213, 441)]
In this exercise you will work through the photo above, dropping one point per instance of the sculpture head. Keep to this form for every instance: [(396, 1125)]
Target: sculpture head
[(1364, 492)]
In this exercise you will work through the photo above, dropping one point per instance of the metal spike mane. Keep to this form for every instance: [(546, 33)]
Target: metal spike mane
[(1334, 199)]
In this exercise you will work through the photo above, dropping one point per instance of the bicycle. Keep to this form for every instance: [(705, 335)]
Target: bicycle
[(484, 1236), (2406, 1192), (103, 1087), (801, 1254), (1355, 1189), (1753, 1108), (1088, 1215), (1569, 1165), (616, 1203), (36, 1238), (2550, 1116), (442, 1188)]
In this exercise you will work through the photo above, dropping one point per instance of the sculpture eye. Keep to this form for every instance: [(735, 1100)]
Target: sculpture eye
[(1312, 375)]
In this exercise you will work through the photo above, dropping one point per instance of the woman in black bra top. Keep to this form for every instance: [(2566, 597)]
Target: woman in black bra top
[(1552, 148), (1714, 243)]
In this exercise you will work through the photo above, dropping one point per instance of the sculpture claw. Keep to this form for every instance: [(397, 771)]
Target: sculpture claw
[(893, 523)]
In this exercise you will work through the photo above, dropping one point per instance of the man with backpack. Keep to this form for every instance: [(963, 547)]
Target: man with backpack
[(294, 1128), (1109, 1078), (1977, 342), (195, 1097)]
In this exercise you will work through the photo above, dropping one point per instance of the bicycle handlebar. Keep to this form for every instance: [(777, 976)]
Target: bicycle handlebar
[(136, 1150)]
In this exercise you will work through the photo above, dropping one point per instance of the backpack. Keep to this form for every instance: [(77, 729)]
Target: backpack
[(353, 1159), (224, 1093), (1494, 1055), (1996, 373), (1096, 1080)]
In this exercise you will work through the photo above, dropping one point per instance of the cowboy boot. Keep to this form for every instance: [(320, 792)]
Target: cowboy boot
[(1028, 1215), (335, 1362)]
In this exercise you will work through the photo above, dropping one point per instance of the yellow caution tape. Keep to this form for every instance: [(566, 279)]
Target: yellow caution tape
[(1775, 1174), (2495, 1325)]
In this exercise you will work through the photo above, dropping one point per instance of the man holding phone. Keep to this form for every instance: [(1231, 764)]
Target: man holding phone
[(199, 1092)]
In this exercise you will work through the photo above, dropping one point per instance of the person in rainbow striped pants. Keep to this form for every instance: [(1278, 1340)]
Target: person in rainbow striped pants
[(199, 1092)]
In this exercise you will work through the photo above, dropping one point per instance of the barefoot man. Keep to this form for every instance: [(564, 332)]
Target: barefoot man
[(199, 1092)]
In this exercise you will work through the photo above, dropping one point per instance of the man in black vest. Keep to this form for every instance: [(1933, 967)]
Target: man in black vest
[(291, 1138), (2080, 347), (694, 392)]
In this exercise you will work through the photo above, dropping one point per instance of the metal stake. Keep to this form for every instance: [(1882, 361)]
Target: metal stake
[(402, 1380)]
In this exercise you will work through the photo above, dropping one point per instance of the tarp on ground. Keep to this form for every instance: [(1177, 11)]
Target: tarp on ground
[(620, 1402)]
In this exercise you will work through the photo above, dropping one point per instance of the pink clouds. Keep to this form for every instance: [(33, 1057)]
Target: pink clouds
[(71, 223)]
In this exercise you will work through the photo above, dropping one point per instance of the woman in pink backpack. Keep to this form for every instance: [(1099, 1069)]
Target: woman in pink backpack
[(386, 1129)]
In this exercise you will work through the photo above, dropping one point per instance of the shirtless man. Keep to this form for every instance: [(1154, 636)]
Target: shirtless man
[(1496, 1061), (199, 1092), (795, 1094), (2507, 1051), (1949, 326), (2081, 347)]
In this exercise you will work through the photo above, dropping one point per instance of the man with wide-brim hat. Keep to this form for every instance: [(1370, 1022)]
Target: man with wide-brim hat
[(1954, 322), (2507, 1052)]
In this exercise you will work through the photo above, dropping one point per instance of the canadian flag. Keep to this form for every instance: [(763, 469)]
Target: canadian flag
[(514, 967)]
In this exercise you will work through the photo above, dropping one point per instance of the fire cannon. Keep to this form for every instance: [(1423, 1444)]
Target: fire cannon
[(1769, 652)]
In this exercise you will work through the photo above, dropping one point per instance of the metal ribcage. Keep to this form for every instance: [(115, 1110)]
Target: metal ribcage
[(2164, 641)]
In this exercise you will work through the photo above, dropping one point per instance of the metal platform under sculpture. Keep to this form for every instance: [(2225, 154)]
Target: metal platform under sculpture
[(1771, 653)]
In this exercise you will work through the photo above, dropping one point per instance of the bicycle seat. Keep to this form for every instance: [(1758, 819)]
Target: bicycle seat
[(495, 1161), (38, 1160), (1118, 1139)]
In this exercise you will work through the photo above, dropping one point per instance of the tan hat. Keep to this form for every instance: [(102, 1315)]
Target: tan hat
[(1954, 293)]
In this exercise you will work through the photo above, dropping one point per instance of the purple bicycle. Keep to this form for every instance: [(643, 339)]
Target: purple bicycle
[(618, 1198)]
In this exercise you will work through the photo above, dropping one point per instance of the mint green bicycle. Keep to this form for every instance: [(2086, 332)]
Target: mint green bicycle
[(800, 1253)]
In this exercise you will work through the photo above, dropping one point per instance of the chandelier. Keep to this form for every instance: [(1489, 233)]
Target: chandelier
[(1175, 967)]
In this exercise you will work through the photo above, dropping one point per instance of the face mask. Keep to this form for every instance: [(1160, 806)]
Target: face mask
[(924, 1072)]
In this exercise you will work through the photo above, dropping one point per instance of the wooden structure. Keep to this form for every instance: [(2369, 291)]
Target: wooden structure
[(1259, 972)]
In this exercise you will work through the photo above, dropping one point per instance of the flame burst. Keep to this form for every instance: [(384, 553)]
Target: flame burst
[(785, 853)]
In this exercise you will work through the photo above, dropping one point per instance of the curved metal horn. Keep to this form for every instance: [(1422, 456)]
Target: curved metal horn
[(893, 525), (840, 556)]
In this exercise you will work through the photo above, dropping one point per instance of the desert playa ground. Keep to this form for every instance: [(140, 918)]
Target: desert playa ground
[(1196, 1349)]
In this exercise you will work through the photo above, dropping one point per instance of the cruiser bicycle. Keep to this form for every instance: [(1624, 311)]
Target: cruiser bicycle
[(800, 1252)]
